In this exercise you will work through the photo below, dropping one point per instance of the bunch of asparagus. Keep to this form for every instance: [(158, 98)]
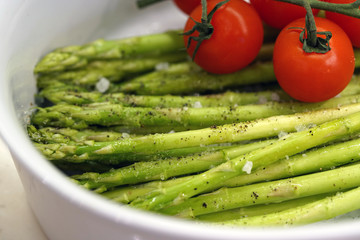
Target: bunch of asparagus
[(165, 136)]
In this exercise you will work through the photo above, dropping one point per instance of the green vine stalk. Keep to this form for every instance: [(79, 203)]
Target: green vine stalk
[(350, 9)]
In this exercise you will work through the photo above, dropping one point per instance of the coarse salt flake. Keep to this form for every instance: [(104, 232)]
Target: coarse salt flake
[(247, 167), (102, 85), (125, 135), (300, 128), (262, 100), (275, 97), (162, 66), (197, 104), (282, 134)]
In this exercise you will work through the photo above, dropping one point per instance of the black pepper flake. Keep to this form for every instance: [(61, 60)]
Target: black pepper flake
[(255, 195), (204, 205)]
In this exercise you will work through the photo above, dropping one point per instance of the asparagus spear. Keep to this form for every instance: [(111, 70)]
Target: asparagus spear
[(48, 137), (47, 141), (56, 96), (115, 114), (286, 146), (183, 68), (311, 161), (330, 207), (60, 152), (257, 129), (61, 93), (129, 193), (148, 171), (114, 70), (67, 135), (269, 192), (256, 210), (197, 82), (73, 57), (107, 114), (163, 169)]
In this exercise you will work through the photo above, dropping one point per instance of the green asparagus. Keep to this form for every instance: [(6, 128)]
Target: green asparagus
[(74, 57), (164, 169), (107, 114), (256, 210), (197, 82), (311, 161), (67, 135), (113, 71), (57, 95), (330, 207), (286, 146), (269, 192), (237, 132)]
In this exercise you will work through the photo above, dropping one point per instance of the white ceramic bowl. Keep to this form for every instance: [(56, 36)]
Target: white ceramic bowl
[(28, 30)]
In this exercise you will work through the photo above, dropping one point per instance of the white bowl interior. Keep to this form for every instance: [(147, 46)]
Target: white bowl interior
[(29, 29)]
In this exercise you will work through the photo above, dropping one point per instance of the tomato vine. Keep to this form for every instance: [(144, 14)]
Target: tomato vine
[(349, 9)]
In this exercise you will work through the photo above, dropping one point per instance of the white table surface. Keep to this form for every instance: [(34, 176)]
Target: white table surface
[(17, 221)]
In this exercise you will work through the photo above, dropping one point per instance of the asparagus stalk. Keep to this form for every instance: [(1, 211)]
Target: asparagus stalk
[(323, 209), (237, 132), (129, 193), (56, 96), (163, 169), (57, 151), (183, 68), (74, 95), (269, 192), (67, 135), (261, 209), (148, 171), (107, 114), (286, 146), (114, 71), (115, 114), (197, 82), (74, 57), (311, 161)]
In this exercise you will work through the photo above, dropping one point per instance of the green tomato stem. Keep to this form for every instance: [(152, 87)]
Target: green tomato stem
[(310, 24), (350, 9)]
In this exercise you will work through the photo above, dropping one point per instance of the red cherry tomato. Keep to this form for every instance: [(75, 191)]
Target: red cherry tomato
[(278, 14), (313, 77), (187, 6), (236, 39), (350, 25)]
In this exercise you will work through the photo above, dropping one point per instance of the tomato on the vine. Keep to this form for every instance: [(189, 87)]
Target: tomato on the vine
[(313, 77), (349, 24), (236, 39), (278, 14), (187, 6)]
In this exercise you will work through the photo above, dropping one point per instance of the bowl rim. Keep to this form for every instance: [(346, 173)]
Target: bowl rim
[(13, 134)]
